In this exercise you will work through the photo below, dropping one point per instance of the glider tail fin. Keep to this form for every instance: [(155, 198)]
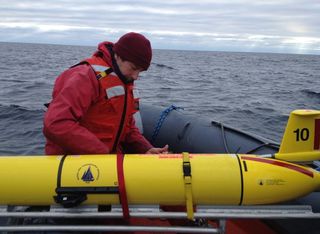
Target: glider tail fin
[(301, 139)]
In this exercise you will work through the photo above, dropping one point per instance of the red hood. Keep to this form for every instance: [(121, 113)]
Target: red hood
[(103, 49)]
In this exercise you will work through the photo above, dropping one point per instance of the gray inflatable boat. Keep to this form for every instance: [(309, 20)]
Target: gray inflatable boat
[(189, 133)]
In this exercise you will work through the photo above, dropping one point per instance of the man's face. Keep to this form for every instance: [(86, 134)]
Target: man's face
[(128, 69)]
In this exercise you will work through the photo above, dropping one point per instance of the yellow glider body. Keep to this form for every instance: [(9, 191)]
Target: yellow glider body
[(154, 179)]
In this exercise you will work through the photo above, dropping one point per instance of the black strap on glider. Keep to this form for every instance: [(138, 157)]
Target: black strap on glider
[(241, 178), (69, 196)]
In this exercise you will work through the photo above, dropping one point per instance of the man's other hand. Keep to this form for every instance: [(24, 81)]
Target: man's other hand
[(163, 150)]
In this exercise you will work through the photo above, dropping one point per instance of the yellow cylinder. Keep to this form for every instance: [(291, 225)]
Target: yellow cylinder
[(216, 179), (28, 180), (158, 179)]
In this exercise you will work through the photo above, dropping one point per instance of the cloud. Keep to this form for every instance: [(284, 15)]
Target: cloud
[(241, 25)]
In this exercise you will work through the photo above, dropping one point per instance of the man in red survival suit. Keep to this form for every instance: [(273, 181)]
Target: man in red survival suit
[(93, 102)]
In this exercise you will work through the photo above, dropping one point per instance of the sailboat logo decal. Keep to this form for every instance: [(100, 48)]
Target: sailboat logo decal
[(87, 176), (88, 173)]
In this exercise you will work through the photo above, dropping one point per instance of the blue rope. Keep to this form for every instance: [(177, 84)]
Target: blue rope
[(163, 116)]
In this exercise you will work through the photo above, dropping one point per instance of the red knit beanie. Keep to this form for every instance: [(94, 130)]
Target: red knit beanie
[(135, 48)]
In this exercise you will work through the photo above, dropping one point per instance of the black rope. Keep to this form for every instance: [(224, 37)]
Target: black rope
[(223, 134), (225, 143), (262, 145)]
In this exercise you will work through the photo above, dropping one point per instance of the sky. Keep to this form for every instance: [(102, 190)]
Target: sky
[(276, 26)]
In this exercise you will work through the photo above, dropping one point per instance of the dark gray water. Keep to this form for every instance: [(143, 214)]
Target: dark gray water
[(254, 92)]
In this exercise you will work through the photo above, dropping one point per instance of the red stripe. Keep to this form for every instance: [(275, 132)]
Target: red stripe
[(122, 187), (317, 134), (280, 164)]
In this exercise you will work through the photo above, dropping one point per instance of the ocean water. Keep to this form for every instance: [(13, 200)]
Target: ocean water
[(254, 92)]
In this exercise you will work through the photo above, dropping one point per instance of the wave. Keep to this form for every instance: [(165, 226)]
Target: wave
[(163, 66), (311, 93), (14, 108), (21, 130), (15, 114), (14, 80)]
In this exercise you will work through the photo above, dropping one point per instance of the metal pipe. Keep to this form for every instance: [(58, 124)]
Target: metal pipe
[(108, 229), (261, 212)]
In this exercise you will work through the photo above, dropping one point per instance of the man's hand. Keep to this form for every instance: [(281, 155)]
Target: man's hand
[(163, 150)]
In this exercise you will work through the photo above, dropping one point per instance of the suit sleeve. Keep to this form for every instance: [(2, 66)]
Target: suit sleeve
[(75, 91), (135, 142)]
